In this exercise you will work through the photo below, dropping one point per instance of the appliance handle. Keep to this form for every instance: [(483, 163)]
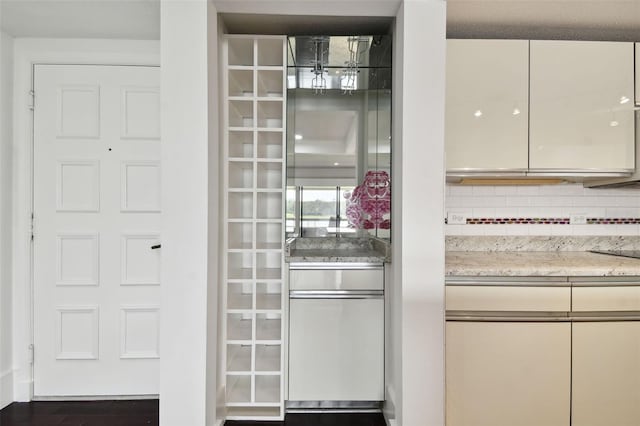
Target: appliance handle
[(336, 294)]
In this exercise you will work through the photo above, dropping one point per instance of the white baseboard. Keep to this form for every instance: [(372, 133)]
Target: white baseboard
[(96, 397), (6, 388), (21, 387)]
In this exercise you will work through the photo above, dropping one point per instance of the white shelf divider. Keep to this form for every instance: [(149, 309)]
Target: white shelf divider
[(252, 278)]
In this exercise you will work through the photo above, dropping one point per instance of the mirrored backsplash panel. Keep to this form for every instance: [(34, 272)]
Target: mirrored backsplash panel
[(339, 136)]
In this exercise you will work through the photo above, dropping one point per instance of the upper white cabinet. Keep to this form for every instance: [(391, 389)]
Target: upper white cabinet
[(487, 104), (581, 106)]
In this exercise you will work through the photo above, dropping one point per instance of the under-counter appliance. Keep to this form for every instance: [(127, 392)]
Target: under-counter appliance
[(336, 335), (635, 254)]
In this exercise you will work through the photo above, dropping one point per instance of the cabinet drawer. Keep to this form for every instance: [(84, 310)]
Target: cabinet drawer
[(606, 298), (337, 279), (503, 298)]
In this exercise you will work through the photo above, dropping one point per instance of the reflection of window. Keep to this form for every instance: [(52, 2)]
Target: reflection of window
[(321, 208), (290, 211)]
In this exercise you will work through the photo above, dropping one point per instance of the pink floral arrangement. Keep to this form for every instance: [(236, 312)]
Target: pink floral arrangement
[(370, 201)]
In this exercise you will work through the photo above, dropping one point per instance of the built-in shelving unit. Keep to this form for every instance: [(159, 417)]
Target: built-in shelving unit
[(253, 187)]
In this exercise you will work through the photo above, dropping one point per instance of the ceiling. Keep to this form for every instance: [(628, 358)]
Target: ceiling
[(140, 19), (544, 19)]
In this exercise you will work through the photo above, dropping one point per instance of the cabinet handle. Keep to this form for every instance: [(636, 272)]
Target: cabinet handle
[(156, 246)]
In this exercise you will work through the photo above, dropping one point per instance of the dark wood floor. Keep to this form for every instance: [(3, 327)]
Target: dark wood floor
[(321, 419), (145, 413), (85, 413)]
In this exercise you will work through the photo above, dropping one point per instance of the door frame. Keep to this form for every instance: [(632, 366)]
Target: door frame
[(27, 54)]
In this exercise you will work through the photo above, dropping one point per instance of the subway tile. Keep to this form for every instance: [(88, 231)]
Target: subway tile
[(528, 190), (622, 212), (484, 190), (540, 229), (506, 190), (560, 229), (454, 229), (460, 190), (517, 229), (628, 230), (484, 212)]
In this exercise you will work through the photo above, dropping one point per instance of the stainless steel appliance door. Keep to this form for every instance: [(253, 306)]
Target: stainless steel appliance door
[(336, 348)]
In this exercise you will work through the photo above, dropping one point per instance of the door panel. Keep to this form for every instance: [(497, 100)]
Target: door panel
[(508, 374), (336, 350), (487, 103), (582, 114), (96, 216), (606, 374)]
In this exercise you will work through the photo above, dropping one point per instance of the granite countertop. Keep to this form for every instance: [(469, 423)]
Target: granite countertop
[(337, 250), (539, 263)]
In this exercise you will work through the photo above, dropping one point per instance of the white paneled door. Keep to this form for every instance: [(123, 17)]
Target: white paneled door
[(96, 221)]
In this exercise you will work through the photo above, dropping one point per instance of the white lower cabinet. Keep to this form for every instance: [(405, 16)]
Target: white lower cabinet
[(337, 350), (606, 373), (508, 373), (336, 334)]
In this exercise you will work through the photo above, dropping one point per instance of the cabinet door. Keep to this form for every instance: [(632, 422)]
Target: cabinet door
[(508, 374), (487, 104), (336, 350), (606, 374), (581, 106)]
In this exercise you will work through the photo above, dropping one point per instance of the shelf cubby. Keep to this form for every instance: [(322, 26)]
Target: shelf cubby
[(268, 327), (269, 265), (240, 175), (239, 326), (253, 198), (270, 52), (241, 113), (269, 236), (240, 296), (270, 145), (240, 236), (269, 296), (240, 265), (238, 388), (241, 144), (240, 51), (240, 205), (268, 357), (270, 114), (269, 205), (267, 388), (241, 83), (247, 411), (269, 175), (270, 84), (239, 358)]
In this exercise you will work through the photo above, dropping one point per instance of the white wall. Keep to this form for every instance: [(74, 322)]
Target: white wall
[(416, 379), (6, 152), (544, 201), (213, 412), (187, 311)]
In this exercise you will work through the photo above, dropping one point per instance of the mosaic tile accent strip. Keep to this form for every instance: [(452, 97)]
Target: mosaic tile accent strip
[(614, 221), (551, 221), (519, 221)]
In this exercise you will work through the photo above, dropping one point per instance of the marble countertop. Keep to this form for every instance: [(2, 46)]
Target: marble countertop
[(335, 256), (539, 263), (337, 250)]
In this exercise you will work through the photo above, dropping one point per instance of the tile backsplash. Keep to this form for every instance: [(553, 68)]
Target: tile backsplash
[(566, 209)]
